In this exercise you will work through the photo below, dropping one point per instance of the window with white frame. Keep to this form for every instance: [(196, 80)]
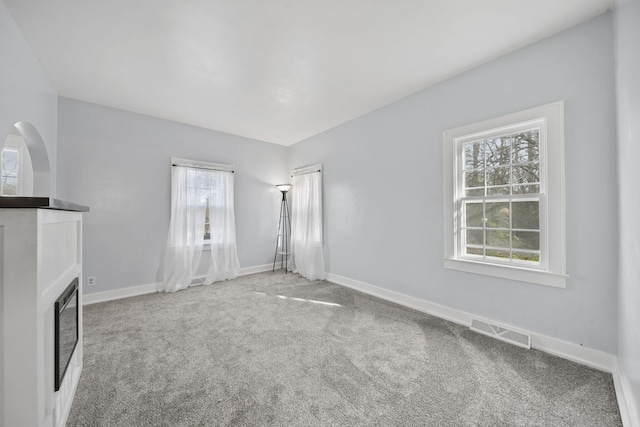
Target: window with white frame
[(16, 170), (504, 188), (10, 171), (210, 192)]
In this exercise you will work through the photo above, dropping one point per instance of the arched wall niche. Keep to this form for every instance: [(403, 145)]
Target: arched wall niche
[(39, 158)]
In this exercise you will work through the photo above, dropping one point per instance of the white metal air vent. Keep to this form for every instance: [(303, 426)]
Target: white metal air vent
[(503, 333)]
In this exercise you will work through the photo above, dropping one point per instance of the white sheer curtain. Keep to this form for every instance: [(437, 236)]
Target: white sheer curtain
[(224, 263), (201, 208), (307, 257), (186, 231)]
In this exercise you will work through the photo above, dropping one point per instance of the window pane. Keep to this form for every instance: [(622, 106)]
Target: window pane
[(474, 155), (474, 179), (503, 190), (526, 173), (474, 192), (497, 215), (526, 215), (526, 240), (498, 151), (526, 189), (207, 223), (204, 179), (498, 253), (475, 237), (10, 186), (526, 256), (526, 146), (499, 238), (498, 176), (474, 215), (9, 172), (9, 161), (474, 251)]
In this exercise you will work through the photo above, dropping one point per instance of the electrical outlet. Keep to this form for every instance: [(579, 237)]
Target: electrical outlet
[(91, 281)]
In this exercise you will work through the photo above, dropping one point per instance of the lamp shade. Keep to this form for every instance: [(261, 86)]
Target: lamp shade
[(284, 187)]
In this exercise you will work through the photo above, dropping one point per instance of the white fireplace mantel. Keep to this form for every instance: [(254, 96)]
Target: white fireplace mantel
[(41, 253)]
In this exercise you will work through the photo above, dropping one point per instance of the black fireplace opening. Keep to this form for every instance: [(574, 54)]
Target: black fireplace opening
[(66, 330)]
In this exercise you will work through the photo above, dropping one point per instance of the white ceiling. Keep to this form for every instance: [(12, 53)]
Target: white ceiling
[(274, 70)]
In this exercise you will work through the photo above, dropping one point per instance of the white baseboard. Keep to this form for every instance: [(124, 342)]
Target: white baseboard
[(243, 272), (255, 269), (452, 315), (150, 288), (114, 294), (628, 406), (574, 352)]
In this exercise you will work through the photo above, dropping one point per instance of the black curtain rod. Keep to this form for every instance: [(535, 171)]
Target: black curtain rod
[(207, 169), (319, 170)]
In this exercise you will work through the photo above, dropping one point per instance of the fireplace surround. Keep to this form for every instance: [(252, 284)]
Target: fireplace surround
[(41, 255)]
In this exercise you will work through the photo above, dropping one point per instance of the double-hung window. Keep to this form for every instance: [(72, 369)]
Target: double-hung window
[(202, 213), (504, 188), (209, 190), (16, 171), (210, 193), (10, 171)]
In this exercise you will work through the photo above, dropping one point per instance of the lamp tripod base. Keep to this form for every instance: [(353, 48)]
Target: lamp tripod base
[(284, 233)]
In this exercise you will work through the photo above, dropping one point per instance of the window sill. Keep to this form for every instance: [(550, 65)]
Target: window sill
[(508, 272)]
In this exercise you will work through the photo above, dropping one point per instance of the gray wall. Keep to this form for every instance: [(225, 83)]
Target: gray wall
[(25, 92), (628, 90), (118, 163), (25, 95), (384, 188)]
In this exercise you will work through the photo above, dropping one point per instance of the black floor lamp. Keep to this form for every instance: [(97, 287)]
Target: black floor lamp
[(284, 231)]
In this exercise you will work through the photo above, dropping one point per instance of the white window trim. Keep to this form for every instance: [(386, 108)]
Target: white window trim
[(197, 164), (553, 271)]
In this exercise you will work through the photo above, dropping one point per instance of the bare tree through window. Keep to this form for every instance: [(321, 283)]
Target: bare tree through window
[(10, 165), (501, 180)]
